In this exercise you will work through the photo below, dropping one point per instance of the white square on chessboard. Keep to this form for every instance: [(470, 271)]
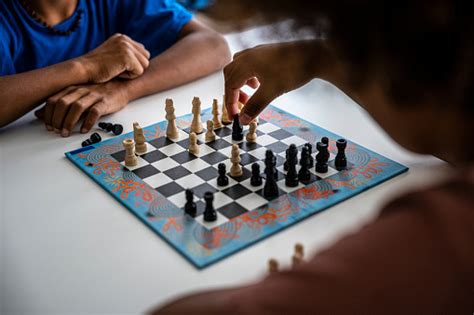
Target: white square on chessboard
[(227, 164), (204, 150), (180, 199), (149, 148), (229, 139), (165, 164), (287, 189), (294, 140), (281, 168), (259, 153), (189, 181), (221, 199), (266, 140), (267, 128), (221, 219), (246, 184), (181, 136), (213, 183), (140, 163), (251, 201), (172, 149), (331, 171), (157, 180), (195, 165)]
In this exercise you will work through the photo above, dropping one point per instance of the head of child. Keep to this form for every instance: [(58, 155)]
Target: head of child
[(410, 64)]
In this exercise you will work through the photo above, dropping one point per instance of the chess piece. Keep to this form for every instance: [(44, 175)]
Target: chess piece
[(210, 134), (322, 157), (298, 255), (222, 180), (140, 145), (171, 129), (225, 115), (291, 179), (270, 189), (236, 169), (193, 145), (256, 179), (341, 160), (196, 124), (237, 129), (210, 214), (272, 265), (117, 129), (252, 134), (240, 105), (94, 138), (310, 156), (325, 140), (190, 206), (215, 115), (304, 174), (130, 157), (296, 261), (270, 161)]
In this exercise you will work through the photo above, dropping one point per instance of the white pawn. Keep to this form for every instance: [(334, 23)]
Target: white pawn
[(130, 157), (225, 115), (210, 134), (236, 169), (140, 145), (193, 146), (252, 134), (215, 115), (272, 265), (196, 124), (171, 129)]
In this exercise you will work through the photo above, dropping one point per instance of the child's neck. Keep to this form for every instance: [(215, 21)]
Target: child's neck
[(54, 11)]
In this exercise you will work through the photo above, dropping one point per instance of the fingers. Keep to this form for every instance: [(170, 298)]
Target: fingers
[(243, 97), (136, 63), (139, 47), (49, 107), (253, 83), (256, 104), (235, 78), (63, 105), (95, 112), (76, 111)]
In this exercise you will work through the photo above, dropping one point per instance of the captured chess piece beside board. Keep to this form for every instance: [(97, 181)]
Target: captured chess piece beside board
[(211, 186)]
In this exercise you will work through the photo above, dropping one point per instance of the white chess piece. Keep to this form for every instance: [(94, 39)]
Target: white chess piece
[(210, 134), (196, 124), (252, 134), (225, 115), (130, 157), (236, 168), (171, 130), (140, 145), (193, 146), (215, 115)]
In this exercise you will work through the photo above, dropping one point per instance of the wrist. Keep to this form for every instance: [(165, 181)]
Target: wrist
[(83, 69)]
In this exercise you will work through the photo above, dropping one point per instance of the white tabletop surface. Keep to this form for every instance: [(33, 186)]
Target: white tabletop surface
[(68, 247)]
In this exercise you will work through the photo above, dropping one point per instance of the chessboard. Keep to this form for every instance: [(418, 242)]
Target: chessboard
[(154, 189)]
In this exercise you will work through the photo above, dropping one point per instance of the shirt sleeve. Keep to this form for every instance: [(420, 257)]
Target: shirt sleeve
[(7, 66), (154, 23)]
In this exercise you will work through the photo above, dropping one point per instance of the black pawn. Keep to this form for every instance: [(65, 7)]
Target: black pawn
[(222, 180), (270, 189), (117, 129), (94, 138), (304, 174), (270, 163), (322, 157), (237, 129), (291, 179), (210, 214), (310, 156), (325, 140), (341, 161), (256, 179), (190, 206)]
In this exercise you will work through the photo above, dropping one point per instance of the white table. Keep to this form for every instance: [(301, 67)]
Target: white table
[(69, 247)]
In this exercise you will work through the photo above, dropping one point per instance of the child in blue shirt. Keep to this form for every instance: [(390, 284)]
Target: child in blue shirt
[(86, 59)]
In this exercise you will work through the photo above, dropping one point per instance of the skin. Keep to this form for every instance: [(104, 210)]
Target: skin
[(106, 79)]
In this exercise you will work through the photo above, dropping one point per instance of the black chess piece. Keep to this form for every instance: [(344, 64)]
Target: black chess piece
[(94, 138), (341, 160), (190, 206), (310, 156), (117, 129), (291, 179), (270, 161), (210, 214), (322, 157), (237, 129), (304, 174), (256, 179), (325, 140), (222, 179)]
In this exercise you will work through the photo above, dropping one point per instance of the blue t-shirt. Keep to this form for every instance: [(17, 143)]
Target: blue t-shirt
[(26, 45)]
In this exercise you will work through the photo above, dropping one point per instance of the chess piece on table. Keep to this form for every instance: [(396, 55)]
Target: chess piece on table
[(236, 168), (271, 188), (298, 255), (270, 161), (190, 206), (193, 145), (140, 145), (273, 265), (322, 158), (325, 140), (252, 134), (171, 129), (341, 161), (196, 124), (237, 129), (210, 214), (256, 179), (304, 174), (225, 119), (215, 115), (94, 138), (222, 180), (291, 179), (310, 154), (130, 157), (210, 134), (117, 129)]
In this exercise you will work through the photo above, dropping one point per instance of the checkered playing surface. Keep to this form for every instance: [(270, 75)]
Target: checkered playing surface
[(170, 169)]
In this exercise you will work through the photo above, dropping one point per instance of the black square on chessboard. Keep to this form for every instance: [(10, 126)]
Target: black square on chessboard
[(145, 171), (236, 191), (183, 157), (246, 174), (246, 159), (280, 134), (279, 160), (280, 175), (160, 142), (280, 193), (223, 132), (219, 144), (208, 173), (119, 156), (232, 210), (188, 130), (169, 189), (177, 172), (249, 146), (185, 143), (214, 158), (153, 156), (200, 190), (277, 147)]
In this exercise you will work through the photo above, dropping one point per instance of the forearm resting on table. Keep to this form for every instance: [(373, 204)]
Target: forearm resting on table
[(20, 93)]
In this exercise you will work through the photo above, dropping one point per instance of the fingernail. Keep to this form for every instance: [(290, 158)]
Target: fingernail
[(83, 130), (49, 128), (245, 119), (65, 133)]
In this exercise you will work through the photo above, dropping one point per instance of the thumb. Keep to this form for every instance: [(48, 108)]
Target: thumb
[(256, 104)]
